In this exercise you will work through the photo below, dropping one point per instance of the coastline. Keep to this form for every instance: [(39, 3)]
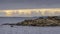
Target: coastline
[(40, 22)]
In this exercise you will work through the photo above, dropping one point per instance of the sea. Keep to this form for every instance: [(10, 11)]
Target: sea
[(6, 29)]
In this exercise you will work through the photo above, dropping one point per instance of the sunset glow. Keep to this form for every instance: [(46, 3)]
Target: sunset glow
[(29, 12)]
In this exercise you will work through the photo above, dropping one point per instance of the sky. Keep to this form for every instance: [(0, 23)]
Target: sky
[(28, 4)]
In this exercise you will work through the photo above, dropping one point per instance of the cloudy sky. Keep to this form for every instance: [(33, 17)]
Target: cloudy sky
[(28, 4)]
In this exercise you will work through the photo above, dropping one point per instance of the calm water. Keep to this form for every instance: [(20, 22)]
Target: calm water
[(29, 30), (6, 29), (13, 19)]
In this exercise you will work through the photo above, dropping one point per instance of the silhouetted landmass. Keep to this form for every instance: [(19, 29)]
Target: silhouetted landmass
[(41, 21)]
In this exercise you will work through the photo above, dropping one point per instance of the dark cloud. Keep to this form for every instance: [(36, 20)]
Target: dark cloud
[(20, 4), (29, 1)]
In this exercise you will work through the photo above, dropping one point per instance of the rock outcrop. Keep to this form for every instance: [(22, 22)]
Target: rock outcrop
[(48, 21), (41, 21)]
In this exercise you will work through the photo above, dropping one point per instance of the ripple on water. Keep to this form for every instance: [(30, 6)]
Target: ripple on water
[(29, 30)]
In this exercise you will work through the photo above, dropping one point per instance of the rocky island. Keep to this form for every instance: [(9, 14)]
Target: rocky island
[(41, 21)]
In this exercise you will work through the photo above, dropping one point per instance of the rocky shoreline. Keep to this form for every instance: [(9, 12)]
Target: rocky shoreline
[(41, 21)]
